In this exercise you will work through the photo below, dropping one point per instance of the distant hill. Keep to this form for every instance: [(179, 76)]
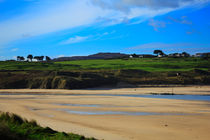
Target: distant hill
[(94, 56)]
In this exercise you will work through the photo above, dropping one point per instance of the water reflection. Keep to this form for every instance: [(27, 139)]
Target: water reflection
[(81, 105), (117, 113)]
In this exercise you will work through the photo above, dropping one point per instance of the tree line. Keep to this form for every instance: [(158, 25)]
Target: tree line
[(30, 58), (160, 53)]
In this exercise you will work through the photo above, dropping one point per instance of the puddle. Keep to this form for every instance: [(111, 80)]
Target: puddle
[(116, 113), (81, 105), (34, 109), (177, 97), (46, 115), (95, 105)]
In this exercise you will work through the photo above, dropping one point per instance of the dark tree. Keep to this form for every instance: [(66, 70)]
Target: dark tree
[(41, 58), (48, 58), (22, 58), (36, 57), (134, 55), (18, 58), (30, 57), (158, 52), (185, 54)]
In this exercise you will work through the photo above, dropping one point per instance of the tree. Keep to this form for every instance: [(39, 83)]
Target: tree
[(41, 58), (158, 52), (18, 58), (22, 58), (36, 57), (185, 54), (134, 55), (30, 57), (48, 58)]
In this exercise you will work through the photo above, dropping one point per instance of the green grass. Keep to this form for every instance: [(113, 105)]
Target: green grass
[(147, 64), (13, 127), (165, 64)]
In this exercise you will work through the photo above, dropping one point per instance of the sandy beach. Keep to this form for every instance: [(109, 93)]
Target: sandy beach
[(188, 90), (115, 117)]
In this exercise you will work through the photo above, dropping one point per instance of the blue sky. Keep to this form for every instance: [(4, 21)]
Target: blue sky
[(82, 27)]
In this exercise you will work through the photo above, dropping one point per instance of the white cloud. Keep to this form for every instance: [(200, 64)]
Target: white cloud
[(14, 57), (172, 47), (14, 49), (78, 39), (75, 39), (127, 5), (125, 10), (157, 24), (157, 45), (182, 20), (61, 55), (58, 17), (51, 16)]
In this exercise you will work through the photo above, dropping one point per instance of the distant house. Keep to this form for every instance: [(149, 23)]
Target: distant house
[(171, 55), (177, 55), (184, 54), (198, 54), (160, 55), (205, 55), (202, 55)]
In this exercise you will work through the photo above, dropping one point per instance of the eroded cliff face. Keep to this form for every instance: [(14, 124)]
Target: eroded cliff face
[(95, 78)]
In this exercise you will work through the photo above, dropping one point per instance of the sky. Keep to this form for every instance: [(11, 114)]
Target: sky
[(58, 28)]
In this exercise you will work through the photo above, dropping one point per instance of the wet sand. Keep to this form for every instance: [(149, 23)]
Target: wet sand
[(174, 119), (188, 90)]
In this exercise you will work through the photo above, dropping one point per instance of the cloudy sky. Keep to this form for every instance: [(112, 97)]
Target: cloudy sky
[(82, 27)]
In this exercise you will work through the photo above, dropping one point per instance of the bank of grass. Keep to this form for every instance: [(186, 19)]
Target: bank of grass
[(94, 73), (146, 64), (13, 127)]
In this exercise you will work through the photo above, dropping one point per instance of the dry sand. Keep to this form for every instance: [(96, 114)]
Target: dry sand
[(175, 119), (194, 90)]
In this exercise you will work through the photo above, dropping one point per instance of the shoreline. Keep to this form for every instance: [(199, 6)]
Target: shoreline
[(146, 90)]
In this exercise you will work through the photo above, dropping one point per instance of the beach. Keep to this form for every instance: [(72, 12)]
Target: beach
[(186, 90), (115, 117)]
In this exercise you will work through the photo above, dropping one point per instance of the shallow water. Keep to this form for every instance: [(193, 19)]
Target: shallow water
[(117, 113), (177, 97), (93, 105), (81, 105)]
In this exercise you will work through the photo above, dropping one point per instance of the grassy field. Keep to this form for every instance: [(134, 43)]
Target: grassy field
[(13, 127), (147, 64), (94, 73)]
